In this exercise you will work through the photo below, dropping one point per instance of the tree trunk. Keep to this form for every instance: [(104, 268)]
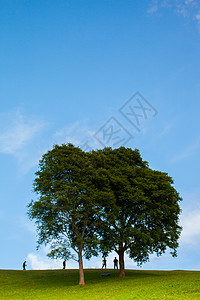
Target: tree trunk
[(121, 264), (80, 261)]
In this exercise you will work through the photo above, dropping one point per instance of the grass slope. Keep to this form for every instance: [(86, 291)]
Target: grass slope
[(63, 284)]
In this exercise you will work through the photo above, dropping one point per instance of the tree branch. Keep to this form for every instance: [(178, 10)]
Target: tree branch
[(115, 226), (84, 227), (75, 259), (130, 220), (75, 229), (128, 245), (116, 249)]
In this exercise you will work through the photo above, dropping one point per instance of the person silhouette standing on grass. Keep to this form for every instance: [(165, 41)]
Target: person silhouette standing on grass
[(24, 265), (64, 264), (115, 263), (104, 263)]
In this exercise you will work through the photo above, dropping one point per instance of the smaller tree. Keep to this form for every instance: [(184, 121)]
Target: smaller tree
[(66, 209), (143, 216)]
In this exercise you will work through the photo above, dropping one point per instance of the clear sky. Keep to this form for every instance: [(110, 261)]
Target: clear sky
[(101, 73)]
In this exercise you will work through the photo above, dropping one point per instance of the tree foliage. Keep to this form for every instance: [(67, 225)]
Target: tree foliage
[(143, 216)]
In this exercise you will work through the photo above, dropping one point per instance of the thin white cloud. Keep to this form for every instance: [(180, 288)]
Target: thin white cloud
[(78, 134), (190, 217), (187, 152), (153, 7), (187, 8), (165, 130), (41, 262), (191, 227), (19, 132), (25, 137), (20, 136), (70, 134), (198, 17), (28, 225), (188, 1)]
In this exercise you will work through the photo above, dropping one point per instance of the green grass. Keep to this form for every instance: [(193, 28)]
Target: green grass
[(63, 284)]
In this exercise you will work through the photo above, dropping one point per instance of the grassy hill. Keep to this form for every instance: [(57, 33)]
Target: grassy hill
[(63, 284)]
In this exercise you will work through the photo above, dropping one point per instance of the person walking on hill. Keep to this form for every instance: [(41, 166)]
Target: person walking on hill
[(24, 265), (115, 263), (104, 263), (64, 264)]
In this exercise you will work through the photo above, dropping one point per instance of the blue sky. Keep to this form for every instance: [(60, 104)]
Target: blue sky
[(71, 71)]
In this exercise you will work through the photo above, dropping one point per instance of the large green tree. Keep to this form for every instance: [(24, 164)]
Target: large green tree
[(143, 215), (67, 205)]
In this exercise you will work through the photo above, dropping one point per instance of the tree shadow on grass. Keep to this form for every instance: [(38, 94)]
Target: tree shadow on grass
[(60, 278), (56, 279)]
